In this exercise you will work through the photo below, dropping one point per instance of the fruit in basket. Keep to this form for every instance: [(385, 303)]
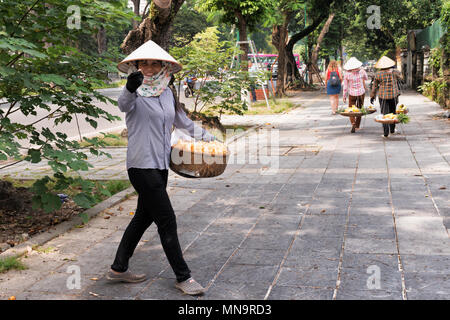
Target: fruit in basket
[(198, 159), (401, 109), (353, 109), (213, 147), (390, 116)]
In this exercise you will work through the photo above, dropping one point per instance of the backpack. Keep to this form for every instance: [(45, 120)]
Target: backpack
[(334, 79)]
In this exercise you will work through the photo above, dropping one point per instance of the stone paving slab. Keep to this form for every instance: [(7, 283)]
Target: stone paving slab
[(340, 206)]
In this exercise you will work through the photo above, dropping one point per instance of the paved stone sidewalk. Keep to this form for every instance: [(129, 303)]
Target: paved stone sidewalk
[(346, 216)]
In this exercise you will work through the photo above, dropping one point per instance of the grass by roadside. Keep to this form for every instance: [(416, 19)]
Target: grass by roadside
[(112, 186), (230, 131), (116, 140), (111, 140), (11, 263), (276, 106), (115, 84)]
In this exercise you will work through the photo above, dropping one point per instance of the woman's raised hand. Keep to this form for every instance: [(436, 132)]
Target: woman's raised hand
[(134, 80)]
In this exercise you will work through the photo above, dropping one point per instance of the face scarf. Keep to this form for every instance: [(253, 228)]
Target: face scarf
[(153, 86)]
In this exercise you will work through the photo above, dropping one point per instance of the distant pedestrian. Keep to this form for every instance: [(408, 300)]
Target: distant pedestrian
[(354, 85), (253, 73), (151, 112), (385, 84), (333, 84)]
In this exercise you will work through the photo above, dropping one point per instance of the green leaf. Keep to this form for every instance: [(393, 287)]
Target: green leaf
[(83, 200), (79, 165), (84, 217), (93, 123), (39, 187), (50, 202), (35, 155), (54, 78)]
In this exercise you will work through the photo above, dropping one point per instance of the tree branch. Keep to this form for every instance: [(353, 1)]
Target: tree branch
[(10, 63), (11, 164), (33, 123), (298, 36), (26, 13), (9, 111), (322, 34)]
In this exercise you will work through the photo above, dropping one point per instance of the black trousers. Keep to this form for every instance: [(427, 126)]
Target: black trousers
[(153, 206), (388, 106)]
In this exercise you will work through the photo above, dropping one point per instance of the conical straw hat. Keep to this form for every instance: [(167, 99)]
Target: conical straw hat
[(352, 63), (149, 50), (384, 63)]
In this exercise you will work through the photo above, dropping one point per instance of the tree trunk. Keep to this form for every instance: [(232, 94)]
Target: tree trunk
[(293, 40), (310, 65), (243, 37), (279, 40), (326, 27), (155, 27), (101, 40), (136, 7)]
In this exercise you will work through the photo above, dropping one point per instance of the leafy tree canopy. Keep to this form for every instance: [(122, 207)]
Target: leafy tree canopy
[(44, 71)]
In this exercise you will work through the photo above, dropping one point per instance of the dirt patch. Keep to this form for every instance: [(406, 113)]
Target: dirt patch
[(18, 219)]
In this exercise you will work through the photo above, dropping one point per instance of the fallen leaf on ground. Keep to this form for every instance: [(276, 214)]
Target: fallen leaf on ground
[(107, 217), (94, 279), (94, 294), (120, 208), (443, 188), (323, 211), (69, 259)]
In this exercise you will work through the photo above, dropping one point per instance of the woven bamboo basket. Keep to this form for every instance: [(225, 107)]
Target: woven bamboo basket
[(197, 165)]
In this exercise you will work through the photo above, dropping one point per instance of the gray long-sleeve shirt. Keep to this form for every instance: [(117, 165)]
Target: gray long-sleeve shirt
[(149, 122)]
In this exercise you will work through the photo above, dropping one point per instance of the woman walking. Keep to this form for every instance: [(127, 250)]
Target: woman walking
[(385, 83), (151, 111), (354, 85), (333, 85)]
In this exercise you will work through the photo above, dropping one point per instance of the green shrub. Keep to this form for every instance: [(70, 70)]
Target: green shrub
[(436, 90)]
